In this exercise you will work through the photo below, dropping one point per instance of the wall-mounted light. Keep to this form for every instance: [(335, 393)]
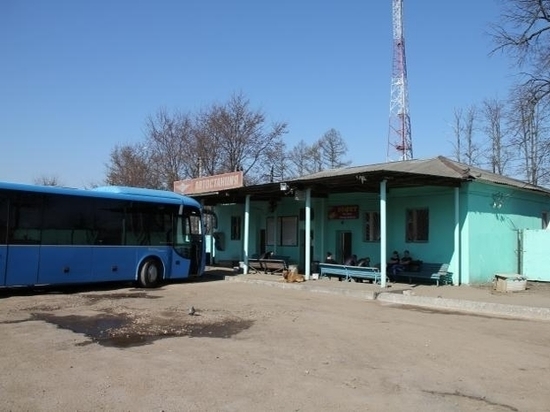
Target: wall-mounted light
[(299, 195), (498, 200), (283, 186)]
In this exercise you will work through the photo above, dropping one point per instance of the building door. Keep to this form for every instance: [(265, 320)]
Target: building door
[(343, 245), (533, 257), (262, 250)]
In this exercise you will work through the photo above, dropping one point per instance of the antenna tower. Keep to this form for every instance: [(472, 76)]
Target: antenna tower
[(399, 135)]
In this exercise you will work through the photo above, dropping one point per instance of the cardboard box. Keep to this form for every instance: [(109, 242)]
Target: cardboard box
[(509, 282)]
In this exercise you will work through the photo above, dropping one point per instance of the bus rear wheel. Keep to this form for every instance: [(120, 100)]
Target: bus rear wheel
[(150, 273)]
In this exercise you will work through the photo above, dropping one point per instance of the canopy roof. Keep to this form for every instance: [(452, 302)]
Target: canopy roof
[(438, 171)]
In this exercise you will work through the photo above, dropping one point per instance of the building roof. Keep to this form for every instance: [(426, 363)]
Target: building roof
[(438, 171)]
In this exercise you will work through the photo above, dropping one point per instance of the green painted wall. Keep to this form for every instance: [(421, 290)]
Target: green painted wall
[(488, 235), (440, 203)]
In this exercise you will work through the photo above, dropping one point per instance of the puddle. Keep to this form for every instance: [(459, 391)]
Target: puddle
[(121, 331)]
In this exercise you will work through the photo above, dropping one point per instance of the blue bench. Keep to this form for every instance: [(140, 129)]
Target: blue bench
[(346, 272), (438, 272)]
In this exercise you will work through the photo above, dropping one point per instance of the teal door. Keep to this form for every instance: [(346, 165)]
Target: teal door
[(534, 257)]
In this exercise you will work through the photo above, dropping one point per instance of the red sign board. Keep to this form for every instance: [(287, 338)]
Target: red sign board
[(209, 184), (344, 212)]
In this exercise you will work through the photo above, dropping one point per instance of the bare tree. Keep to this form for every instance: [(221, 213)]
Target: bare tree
[(242, 137), (130, 166), (280, 168), (457, 131), (206, 142), (493, 112), (529, 123), (169, 142), (298, 158), (333, 149), (467, 150), (222, 138), (47, 180), (472, 151), (524, 33), (315, 156)]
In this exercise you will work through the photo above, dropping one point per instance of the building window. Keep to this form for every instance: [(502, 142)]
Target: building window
[(284, 233), (289, 231), (545, 220), (235, 228), (371, 227), (418, 226)]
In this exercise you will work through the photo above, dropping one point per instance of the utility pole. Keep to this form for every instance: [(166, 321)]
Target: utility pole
[(399, 135)]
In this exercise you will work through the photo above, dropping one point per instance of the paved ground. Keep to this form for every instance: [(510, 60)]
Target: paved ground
[(257, 344), (533, 302)]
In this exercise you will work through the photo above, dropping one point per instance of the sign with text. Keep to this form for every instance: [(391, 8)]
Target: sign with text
[(209, 184), (344, 212)]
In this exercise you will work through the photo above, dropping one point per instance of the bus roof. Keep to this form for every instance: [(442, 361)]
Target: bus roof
[(110, 192)]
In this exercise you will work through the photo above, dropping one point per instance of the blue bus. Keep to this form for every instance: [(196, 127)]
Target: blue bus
[(59, 236)]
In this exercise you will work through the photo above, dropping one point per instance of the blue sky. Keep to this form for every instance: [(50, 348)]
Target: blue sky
[(79, 77)]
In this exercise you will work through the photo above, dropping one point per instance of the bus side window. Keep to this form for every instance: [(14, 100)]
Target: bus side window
[(26, 236)]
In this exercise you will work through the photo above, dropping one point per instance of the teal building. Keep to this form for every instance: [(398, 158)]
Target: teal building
[(439, 210)]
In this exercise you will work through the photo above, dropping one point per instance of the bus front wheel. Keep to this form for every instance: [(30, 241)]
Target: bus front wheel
[(150, 273)]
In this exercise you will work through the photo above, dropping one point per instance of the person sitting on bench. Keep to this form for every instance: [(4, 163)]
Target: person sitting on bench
[(330, 258), (364, 262), (351, 260), (394, 263), (405, 261)]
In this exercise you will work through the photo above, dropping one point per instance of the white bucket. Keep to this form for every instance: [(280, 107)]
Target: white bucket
[(314, 276)]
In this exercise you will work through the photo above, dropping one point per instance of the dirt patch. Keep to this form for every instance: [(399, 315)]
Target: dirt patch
[(250, 347)]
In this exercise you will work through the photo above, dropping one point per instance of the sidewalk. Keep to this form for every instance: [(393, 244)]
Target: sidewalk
[(532, 303)]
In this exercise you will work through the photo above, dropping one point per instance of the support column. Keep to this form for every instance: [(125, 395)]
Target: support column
[(246, 234), (458, 252), (308, 234), (383, 233)]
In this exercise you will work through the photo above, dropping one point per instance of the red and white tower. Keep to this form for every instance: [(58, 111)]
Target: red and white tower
[(399, 136)]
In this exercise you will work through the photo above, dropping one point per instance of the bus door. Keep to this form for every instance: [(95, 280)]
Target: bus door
[(181, 242), (189, 256)]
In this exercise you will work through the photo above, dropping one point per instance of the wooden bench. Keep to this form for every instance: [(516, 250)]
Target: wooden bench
[(346, 272), (275, 264), (438, 272)]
